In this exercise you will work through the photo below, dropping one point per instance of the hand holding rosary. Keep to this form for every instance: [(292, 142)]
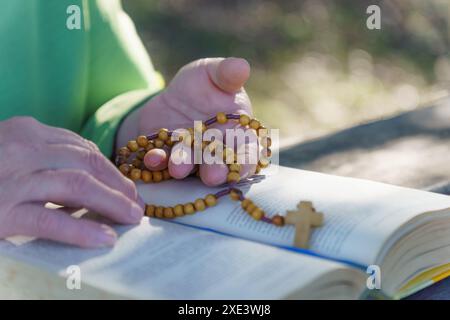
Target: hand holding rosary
[(130, 161)]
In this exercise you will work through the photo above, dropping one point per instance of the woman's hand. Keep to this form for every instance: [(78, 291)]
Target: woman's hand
[(40, 164), (200, 90)]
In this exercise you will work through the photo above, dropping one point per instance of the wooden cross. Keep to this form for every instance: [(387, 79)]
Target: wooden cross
[(303, 219)]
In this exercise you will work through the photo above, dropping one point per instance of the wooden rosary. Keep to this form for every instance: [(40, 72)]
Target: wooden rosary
[(134, 168)]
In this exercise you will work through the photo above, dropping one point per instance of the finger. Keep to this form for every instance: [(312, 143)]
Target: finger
[(246, 149), (228, 74), (181, 161), (77, 188), (54, 135), (74, 157), (247, 170), (216, 174), (37, 221), (247, 155), (213, 174), (156, 159)]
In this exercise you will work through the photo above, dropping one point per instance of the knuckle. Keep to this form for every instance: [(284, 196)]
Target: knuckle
[(91, 145), (78, 181), (95, 160), (131, 191)]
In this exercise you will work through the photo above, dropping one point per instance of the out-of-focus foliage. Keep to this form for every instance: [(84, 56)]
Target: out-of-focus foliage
[(315, 65)]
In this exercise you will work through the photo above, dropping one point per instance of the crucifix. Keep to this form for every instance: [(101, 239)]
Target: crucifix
[(303, 219)]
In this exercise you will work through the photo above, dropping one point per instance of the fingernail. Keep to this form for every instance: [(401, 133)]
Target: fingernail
[(136, 212), (154, 161), (106, 237)]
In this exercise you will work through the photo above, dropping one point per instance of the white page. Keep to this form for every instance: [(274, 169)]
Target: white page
[(360, 215), (158, 259)]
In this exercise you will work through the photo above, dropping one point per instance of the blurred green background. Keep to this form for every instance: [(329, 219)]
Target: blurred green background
[(316, 68)]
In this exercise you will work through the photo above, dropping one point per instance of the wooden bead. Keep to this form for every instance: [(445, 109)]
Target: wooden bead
[(188, 140), (267, 153), (158, 143), (234, 195), (254, 124), (149, 146), (124, 168), (159, 212), (120, 160), (178, 210), (133, 145), (199, 204), (146, 176), (168, 213), (150, 210), (142, 141), (266, 142), (189, 208), (236, 167), (221, 118), (250, 207), (124, 152), (262, 132), (228, 155), (136, 162), (166, 174), (163, 134), (258, 169), (157, 176), (245, 203), (278, 220), (169, 142), (233, 177), (244, 119), (211, 200), (188, 137), (263, 163), (257, 214), (141, 154), (135, 174)]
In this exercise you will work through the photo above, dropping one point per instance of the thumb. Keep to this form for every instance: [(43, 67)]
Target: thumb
[(229, 74), (156, 159)]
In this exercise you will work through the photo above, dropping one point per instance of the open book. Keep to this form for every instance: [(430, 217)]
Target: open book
[(223, 253)]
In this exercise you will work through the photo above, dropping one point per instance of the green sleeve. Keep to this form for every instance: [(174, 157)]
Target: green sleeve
[(85, 79), (121, 75), (102, 126)]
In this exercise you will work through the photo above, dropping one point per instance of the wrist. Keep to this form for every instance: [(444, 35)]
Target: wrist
[(131, 126)]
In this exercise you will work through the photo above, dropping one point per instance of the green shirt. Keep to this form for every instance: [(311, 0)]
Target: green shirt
[(86, 80)]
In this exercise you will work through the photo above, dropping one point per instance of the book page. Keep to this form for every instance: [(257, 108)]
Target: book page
[(360, 215), (158, 259)]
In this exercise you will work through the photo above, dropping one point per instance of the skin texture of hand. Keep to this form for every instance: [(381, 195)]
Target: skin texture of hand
[(43, 164), (199, 90)]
